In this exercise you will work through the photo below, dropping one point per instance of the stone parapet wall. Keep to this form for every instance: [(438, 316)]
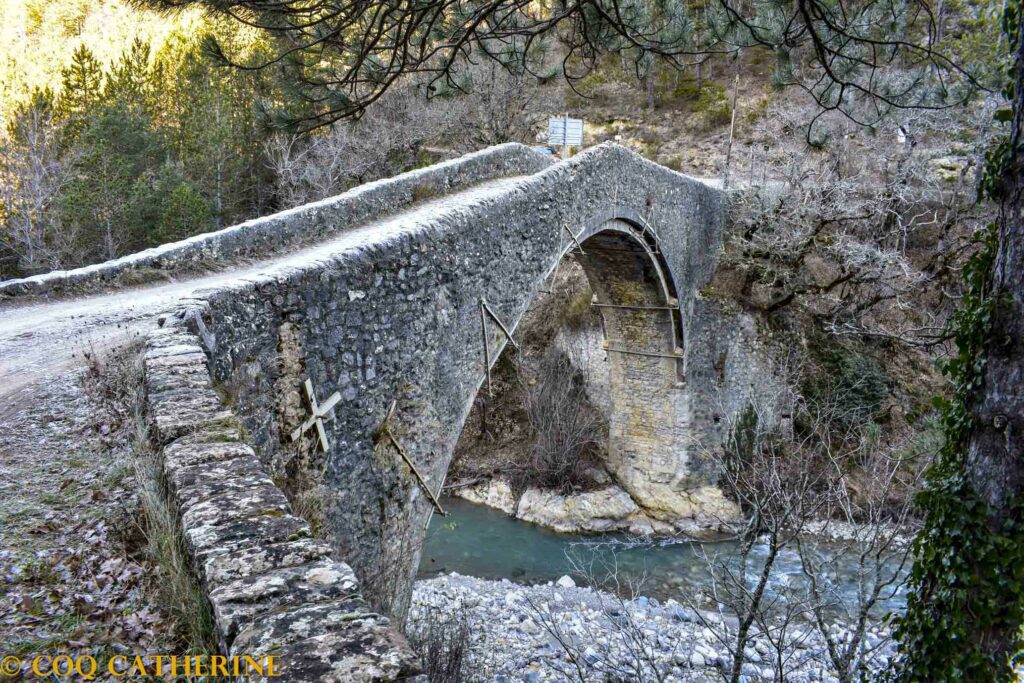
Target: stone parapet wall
[(274, 588), (281, 231)]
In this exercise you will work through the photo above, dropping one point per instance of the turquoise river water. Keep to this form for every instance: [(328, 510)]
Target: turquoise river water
[(479, 541)]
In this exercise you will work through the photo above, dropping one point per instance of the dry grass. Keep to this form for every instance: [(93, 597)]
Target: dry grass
[(309, 505), (118, 378)]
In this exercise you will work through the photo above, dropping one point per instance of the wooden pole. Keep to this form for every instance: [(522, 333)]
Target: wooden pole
[(574, 239), (419, 477), (565, 136), (385, 433), (496, 319), (487, 350)]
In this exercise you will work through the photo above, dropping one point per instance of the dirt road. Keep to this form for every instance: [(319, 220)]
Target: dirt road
[(46, 339)]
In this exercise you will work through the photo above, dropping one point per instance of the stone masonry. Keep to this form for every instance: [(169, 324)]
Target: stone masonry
[(286, 230), (392, 317), (274, 588), (398, 320)]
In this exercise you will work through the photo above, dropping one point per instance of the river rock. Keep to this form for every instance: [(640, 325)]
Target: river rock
[(495, 493), (510, 637), (565, 582), (591, 512), (642, 525), (529, 626)]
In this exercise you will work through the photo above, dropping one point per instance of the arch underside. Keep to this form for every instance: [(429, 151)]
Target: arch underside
[(649, 410)]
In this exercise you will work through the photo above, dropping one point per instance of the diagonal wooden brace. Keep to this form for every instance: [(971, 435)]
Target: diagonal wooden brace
[(495, 318), (385, 433), (485, 311), (574, 238)]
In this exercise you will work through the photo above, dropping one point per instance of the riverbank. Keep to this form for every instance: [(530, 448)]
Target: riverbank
[(557, 631), (608, 509)]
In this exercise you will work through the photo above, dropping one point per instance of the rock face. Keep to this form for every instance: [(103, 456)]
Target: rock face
[(494, 493), (703, 508), (605, 510)]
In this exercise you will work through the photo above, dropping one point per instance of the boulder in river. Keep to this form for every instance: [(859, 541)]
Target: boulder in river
[(494, 493), (597, 511)]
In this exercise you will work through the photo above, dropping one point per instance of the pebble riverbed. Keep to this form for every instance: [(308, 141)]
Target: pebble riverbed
[(515, 631)]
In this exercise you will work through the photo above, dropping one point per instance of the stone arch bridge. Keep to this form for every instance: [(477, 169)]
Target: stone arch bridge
[(390, 300)]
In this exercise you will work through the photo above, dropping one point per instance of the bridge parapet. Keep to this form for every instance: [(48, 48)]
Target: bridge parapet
[(288, 229), (274, 588)]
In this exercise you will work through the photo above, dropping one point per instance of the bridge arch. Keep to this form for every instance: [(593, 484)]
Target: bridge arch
[(635, 294)]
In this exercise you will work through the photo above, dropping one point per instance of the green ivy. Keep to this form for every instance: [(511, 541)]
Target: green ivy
[(967, 582), (968, 577)]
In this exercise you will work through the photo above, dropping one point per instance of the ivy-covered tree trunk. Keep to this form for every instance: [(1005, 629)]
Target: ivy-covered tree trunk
[(965, 607), (995, 438)]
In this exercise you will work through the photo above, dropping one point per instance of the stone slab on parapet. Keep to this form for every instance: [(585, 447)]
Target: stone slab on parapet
[(244, 533), (213, 431), (231, 507), (225, 567), (180, 454), (190, 420), (300, 623), (187, 376), (330, 657), (236, 605)]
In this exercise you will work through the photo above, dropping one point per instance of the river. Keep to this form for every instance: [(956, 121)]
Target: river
[(479, 541)]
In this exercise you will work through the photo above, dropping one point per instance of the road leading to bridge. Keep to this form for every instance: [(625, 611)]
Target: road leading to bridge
[(44, 339)]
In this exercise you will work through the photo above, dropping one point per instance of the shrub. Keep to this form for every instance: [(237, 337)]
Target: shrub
[(578, 311), (713, 105), (441, 642), (565, 428), (850, 381)]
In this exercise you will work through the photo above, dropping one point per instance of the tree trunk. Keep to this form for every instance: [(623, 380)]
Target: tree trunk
[(747, 620), (650, 82), (995, 464)]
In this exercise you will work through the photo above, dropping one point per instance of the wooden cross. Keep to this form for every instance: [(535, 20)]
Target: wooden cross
[(317, 418)]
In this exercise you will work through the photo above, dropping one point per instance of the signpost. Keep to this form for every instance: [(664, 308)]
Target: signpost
[(565, 132)]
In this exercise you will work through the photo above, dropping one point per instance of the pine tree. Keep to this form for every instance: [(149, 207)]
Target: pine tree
[(116, 148), (81, 88), (185, 213), (130, 80)]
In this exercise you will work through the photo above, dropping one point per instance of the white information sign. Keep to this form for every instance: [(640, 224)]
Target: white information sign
[(565, 131)]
